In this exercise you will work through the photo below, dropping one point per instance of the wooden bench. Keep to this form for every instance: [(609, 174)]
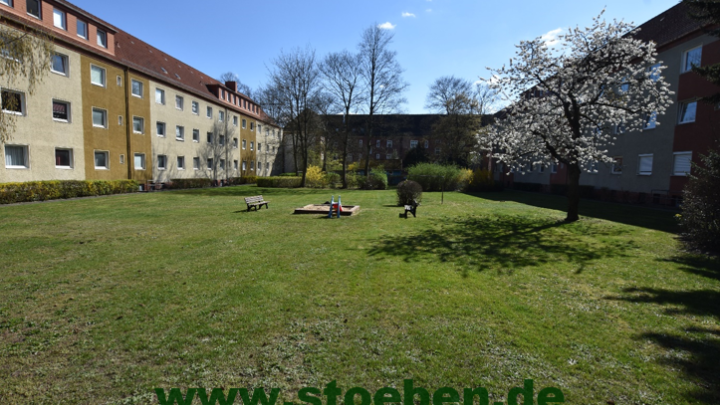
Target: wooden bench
[(256, 202), (412, 208)]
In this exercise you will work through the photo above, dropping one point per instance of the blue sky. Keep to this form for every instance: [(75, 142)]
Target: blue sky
[(435, 37)]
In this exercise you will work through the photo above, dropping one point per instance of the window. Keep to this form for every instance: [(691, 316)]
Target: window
[(221, 116), (210, 164), (235, 143), (97, 75), (377, 143), (196, 135), (413, 144), (222, 164), (195, 108), (119, 81), (388, 156), (252, 145), (209, 112), (33, 8), (99, 118), (252, 165), (137, 88), (160, 129), (63, 158), (209, 137), (160, 96), (82, 29), (244, 124), (16, 157), (651, 121), (235, 120), (180, 133), (377, 156), (682, 164), (259, 147), (181, 162), (553, 168), (645, 165), (101, 160), (427, 144), (102, 38), (179, 103), (221, 139), (389, 144), (244, 144), (252, 126), (654, 71), (235, 165), (162, 162), (437, 151), (139, 161), (59, 64), (120, 120), (687, 112), (244, 165), (61, 111), (59, 19), (196, 163), (138, 125), (617, 167), (267, 165), (692, 58), (122, 159)]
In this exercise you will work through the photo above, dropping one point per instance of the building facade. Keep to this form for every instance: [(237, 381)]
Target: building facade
[(114, 107)]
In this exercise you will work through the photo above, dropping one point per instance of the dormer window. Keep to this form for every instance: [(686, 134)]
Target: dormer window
[(59, 19), (33, 8), (82, 29), (102, 38)]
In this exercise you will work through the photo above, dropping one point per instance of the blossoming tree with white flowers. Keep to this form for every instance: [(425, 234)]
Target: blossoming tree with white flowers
[(569, 104)]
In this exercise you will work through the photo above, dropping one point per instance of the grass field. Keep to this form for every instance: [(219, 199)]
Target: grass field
[(102, 300)]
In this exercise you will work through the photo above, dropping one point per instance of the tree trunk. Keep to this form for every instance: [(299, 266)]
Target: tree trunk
[(573, 194)]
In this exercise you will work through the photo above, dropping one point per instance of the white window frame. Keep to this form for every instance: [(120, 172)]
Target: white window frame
[(244, 124), (107, 160), (179, 133), (684, 68), (235, 120), (142, 123), (244, 165), (252, 145), (132, 88), (66, 64), (221, 116), (683, 110), (252, 165), (615, 166), (63, 19), (244, 144), (195, 107), (69, 111), (165, 162), (675, 156), (196, 163), (164, 127), (84, 34), (179, 103), (651, 121), (640, 158), (235, 165), (22, 102), (160, 92), (72, 159), (180, 161), (196, 135), (105, 117), (39, 3), (210, 164), (26, 157), (209, 112), (104, 76), (104, 36), (144, 161)]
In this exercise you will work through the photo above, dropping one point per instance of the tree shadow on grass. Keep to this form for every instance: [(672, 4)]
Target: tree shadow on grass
[(246, 191), (644, 217), (704, 266), (505, 243), (695, 351)]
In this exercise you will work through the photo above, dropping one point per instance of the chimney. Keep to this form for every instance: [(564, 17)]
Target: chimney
[(232, 86)]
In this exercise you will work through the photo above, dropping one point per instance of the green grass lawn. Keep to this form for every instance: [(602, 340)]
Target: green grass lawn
[(102, 300)]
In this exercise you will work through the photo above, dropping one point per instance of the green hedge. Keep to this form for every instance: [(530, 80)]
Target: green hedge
[(279, 182), (237, 181), (435, 177), (11, 193), (378, 180)]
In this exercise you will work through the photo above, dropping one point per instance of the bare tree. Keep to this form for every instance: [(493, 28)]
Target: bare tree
[(218, 150), (382, 74), (296, 75), (242, 87), (343, 74), (325, 105), (27, 55)]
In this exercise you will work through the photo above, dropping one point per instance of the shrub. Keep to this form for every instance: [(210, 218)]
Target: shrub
[(333, 178), (237, 181), (482, 181), (377, 180), (288, 175), (353, 180), (11, 193), (407, 191), (435, 177), (176, 184), (700, 217), (279, 182), (314, 178), (533, 187)]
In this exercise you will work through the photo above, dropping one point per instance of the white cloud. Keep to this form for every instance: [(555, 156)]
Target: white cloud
[(428, 10), (551, 38), (387, 26), (408, 15)]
